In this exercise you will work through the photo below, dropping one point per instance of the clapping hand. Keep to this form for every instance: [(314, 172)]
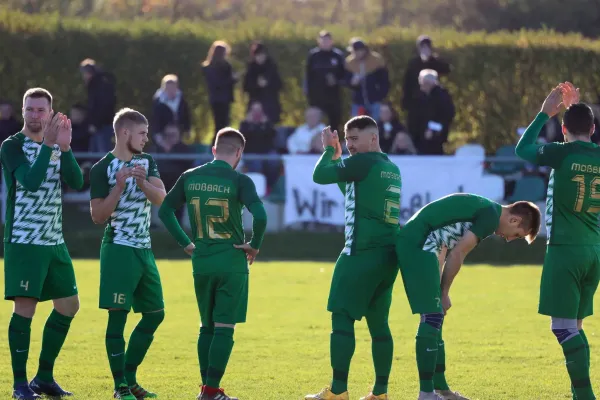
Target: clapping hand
[(329, 138)]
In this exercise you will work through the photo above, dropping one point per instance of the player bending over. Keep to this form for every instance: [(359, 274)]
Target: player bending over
[(365, 271), (123, 185), (37, 265), (215, 195), (458, 222), (572, 263)]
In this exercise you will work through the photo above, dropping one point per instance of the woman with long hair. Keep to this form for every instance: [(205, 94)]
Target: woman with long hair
[(220, 80)]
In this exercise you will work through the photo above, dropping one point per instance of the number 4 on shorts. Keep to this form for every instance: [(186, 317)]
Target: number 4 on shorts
[(25, 284)]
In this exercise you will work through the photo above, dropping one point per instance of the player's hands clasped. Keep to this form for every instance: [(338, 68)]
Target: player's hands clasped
[(50, 128), (251, 253), (139, 173), (121, 177), (562, 96), (329, 138), (63, 140)]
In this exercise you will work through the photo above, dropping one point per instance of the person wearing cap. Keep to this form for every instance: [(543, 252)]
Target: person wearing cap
[(324, 76), (425, 59), (367, 76)]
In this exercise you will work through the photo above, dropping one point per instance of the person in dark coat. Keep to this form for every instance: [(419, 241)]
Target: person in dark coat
[(430, 121), (389, 127), (9, 125), (263, 83), (426, 59), (220, 80), (324, 78), (101, 106), (170, 107)]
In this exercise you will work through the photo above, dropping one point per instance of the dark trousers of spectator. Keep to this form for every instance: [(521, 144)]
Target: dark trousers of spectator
[(333, 111), (102, 140), (220, 113)]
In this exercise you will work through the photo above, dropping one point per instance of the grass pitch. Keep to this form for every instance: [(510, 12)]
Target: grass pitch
[(497, 346)]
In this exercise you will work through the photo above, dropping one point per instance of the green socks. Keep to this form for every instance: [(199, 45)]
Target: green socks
[(115, 345), (427, 352), (19, 334), (576, 355), (55, 333), (341, 351), (139, 343), (382, 348), (439, 377), (204, 341), (218, 356)]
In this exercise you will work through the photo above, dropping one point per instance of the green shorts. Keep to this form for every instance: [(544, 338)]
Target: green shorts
[(569, 280), (129, 278), (222, 297), (41, 272), (420, 271), (362, 284)]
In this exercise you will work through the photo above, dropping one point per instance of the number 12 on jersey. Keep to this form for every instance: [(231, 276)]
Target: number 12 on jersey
[(594, 194), (392, 207), (211, 220)]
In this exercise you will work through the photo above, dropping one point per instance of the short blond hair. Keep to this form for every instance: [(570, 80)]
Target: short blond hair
[(167, 79)]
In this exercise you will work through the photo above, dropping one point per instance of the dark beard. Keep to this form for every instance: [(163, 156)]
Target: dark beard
[(34, 129)]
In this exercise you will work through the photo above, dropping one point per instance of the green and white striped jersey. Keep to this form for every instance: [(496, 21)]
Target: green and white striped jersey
[(129, 224)]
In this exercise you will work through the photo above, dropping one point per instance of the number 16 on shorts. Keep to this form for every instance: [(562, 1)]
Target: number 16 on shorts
[(119, 298)]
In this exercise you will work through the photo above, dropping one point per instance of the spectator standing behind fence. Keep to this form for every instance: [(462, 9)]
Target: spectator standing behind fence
[(80, 132), (260, 134), (368, 78), (301, 141), (325, 74), (9, 124), (220, 80), (170, 107), (389, 127), (168, 141), (262, 82), (101, 105), (425, 59), (432, 117)]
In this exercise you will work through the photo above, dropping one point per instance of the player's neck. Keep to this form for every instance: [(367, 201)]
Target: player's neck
[(228, 160), (35, 136), (122, 154)]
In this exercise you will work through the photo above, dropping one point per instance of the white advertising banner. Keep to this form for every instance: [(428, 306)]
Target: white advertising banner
[(424, 179)]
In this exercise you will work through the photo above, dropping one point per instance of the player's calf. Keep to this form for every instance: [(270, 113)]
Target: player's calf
[(576, 355), (428, 337)]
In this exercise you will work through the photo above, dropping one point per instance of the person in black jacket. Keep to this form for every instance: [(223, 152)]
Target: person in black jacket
[(324, 76), (433, 116), (220, 80), (262, 82), (170, 107), (426, 59), (389, 128), (9, 125), (102, 102)]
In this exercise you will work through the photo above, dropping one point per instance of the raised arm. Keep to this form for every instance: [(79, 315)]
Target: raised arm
[(329, 169), (70, 170)]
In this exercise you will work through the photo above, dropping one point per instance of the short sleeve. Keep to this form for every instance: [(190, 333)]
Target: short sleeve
[(551, 154), (99, 187), (12, 155), (176, 196), (353, 168), (486, 222), (152, 168), (247, 191)]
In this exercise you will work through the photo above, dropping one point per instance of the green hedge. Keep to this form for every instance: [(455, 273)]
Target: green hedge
[(498, 83)]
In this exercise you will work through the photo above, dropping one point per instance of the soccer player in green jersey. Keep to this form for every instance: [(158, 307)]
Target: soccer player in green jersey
[(572, 263), (215, 195), (365, 271), (37, 265), (457, 222), (123, 186)]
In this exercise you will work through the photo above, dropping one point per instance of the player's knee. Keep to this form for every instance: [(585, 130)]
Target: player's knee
[(435, 320), (154, 319), (68, 306), (379, 329), (207, 330), (25, 306), (564, 329), (580, 324)]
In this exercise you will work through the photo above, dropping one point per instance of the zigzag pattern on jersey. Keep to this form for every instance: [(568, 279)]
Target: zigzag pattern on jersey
[(131, 219), (447, 236), (38, 215), (349, 217), (549, 204)]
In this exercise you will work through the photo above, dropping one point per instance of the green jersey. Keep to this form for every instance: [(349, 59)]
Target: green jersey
[(33, 174), (371, 185), (129, 224), (573, 197), (215, 196), (442, 223)]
